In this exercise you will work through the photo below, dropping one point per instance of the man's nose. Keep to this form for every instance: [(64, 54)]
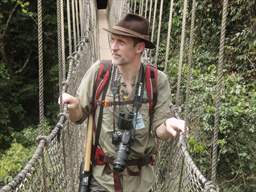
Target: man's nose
[(114, 45)]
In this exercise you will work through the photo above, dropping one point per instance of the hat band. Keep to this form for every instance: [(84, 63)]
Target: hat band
[(131, 32)]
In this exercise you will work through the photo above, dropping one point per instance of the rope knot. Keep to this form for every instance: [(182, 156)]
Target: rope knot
[(211, 187), (60, 125), (65, 115), (42, 138)]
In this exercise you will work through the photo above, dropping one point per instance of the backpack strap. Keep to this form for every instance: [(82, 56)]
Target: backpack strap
[(100, 87), (102, 79), (151, 88)]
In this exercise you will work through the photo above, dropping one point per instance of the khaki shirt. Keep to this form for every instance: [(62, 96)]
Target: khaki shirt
[(144, 143)]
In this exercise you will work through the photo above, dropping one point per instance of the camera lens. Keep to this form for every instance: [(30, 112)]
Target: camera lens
[(122, 155)]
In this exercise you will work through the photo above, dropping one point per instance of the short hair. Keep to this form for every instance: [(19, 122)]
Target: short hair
[(137, 40)]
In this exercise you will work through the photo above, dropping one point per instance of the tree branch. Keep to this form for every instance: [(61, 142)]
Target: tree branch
[(9, 20), (25, 63)]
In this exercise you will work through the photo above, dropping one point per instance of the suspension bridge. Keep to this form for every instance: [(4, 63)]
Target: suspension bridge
[(55, 163)]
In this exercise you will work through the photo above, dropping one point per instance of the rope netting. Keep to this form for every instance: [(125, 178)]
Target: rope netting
[(55, 163), (56, 160)]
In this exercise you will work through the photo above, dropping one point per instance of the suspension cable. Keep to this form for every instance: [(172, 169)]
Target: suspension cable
[(134, 7), (141, 5), (219, 91), (154, 20), (74, 24), (41, 82), (69, 28), (40, 65), (146, 9), (159, 30), (77, 21), (63, 59), (59, 50), (81, 17), (168, 36), (150, 11), (181, 51)]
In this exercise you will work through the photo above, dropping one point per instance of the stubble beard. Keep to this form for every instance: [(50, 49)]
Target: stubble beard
[(120, 61)]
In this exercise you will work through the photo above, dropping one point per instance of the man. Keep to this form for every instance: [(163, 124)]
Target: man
[(129, 38)]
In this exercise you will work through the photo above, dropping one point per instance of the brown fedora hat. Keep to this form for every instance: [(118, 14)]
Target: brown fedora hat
[(133, 26)]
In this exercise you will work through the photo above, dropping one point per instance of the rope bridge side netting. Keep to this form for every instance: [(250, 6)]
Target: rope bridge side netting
[(55, 163)]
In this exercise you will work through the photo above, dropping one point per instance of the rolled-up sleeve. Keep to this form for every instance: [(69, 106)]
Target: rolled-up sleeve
[(85, 89), (162, 108)]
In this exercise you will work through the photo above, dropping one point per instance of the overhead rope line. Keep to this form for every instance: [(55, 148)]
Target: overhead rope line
[(150, 11), (184, 12), (168, 37), (40, 65), (159, 31), (219, 92), (41, 80), (77, 21), (146, 9), (190, 64), (69, 28), (154, 20), (74, 24)]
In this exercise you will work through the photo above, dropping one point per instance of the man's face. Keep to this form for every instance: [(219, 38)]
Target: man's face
[(123, 49)]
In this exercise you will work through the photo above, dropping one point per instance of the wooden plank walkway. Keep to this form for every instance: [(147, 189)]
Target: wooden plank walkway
[(105, 52)]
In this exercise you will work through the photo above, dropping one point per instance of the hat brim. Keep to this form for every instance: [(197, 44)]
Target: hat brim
[(148, 44)]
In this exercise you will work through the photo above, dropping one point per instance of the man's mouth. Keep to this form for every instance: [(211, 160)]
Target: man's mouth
[(115, 55)]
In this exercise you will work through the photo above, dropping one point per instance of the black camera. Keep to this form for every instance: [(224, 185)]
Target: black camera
[(116, 137), (123, 139)]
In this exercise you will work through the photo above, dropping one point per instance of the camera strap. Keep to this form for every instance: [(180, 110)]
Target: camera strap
[(101, 85), (139, 92)]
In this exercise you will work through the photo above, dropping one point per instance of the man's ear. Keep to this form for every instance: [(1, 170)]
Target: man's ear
[(140, 47)]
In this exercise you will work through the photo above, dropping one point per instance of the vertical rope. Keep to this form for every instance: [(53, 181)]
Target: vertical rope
[(59, 30), (179, 75), (134, 7), (40, 65), (77, 21), (190, 54), (63, 59), (150, 10), (159, 30), (168, 36), (41, 81), (146, 10), (154, 20), (69, 28), (81, 17), (140, 7), (181, 51), (219, 90), (74, 24)]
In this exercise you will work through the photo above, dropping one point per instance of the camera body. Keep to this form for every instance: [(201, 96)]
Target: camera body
[(123, 140)]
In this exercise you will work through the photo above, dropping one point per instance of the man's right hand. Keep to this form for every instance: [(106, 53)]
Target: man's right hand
[(70, 100), (74, 107)]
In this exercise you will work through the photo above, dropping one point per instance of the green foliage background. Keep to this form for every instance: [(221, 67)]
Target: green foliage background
[(237, 138), (19, 80)]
